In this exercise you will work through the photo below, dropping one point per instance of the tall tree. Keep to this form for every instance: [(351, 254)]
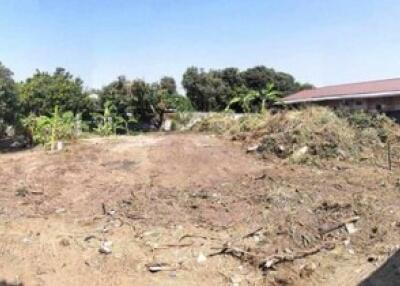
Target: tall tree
[(43, 91), (169, 84), (256, 78), (8, 97), (206, 90)]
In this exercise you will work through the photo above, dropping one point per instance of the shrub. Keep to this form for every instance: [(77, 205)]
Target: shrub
[(361, 120), (47, 130)]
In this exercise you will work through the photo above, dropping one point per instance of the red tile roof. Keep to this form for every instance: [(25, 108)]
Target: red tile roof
[(378, 88)]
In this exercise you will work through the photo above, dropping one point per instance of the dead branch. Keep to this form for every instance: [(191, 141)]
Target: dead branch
[(253, 233), (328, 229), (273, 260)]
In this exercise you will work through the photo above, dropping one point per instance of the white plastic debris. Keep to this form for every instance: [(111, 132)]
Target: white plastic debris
[(27, 240), (235, 280), (350, 228), (105, 247), (201, 258), (60, 211)]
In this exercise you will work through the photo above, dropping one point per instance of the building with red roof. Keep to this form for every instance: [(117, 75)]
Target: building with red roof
[(375, 96)]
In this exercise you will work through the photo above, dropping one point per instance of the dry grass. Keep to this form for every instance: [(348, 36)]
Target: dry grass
[(314, 132)]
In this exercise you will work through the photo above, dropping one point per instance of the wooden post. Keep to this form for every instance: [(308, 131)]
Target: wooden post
[(389, 156)]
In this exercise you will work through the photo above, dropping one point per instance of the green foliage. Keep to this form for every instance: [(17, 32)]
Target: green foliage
[(47, 130), (133, 98), (109, 122), (206, 90), (179, 103), (43, 91), (145, 102), (369, 122), (250, 100), (214, 90), (168, 83), (242, 100), (8, 99)]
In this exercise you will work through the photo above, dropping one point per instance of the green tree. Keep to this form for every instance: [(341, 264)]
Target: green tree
[(8, 96), (256, 78), (119, 94), (43, 91), (169, 84), (232, 77), (206, 90)]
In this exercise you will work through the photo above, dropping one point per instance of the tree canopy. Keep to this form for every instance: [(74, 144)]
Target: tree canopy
[(135, 102), (43, 91), (214, 90), (8, 96)]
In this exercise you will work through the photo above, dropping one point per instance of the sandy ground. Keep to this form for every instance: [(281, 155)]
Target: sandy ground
[(195, 210)]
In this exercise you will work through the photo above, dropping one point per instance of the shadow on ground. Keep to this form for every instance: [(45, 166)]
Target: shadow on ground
[(5, 283), (386, 275), (6, 146)]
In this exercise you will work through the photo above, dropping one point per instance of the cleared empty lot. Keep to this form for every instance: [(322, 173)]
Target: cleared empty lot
[(196, 207)]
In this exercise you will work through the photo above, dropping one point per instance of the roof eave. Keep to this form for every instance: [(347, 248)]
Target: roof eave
[(342, 96)]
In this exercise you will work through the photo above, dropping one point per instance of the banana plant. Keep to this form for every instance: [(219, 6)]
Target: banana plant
[(244, 99), (48, 130), (109, 121), (268, 95)]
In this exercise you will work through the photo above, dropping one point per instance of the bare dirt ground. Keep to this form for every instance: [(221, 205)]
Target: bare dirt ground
[(190, 209)]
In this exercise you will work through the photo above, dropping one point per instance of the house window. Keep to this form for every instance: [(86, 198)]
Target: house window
[(358, 103), (379, 107)]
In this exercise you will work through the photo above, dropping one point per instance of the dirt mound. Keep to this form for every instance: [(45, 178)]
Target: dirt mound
[(309, 134)]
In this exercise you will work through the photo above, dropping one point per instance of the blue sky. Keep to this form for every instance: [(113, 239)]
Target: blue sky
[(321, 42)]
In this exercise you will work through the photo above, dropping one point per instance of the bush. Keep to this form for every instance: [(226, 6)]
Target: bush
[(47, 130), (383, 125)]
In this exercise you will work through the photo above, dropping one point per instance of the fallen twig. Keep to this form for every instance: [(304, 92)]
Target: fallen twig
[(253, 233), (273, 260), (196, 236), (328, 229)]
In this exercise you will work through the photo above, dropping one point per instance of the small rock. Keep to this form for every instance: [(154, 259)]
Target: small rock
[(235, 280), (105, 247), (157, 267), (269, 263), (350, 228), (252, 148), (201, 258)]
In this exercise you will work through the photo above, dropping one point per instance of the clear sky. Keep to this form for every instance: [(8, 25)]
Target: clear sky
[(318, 41)]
